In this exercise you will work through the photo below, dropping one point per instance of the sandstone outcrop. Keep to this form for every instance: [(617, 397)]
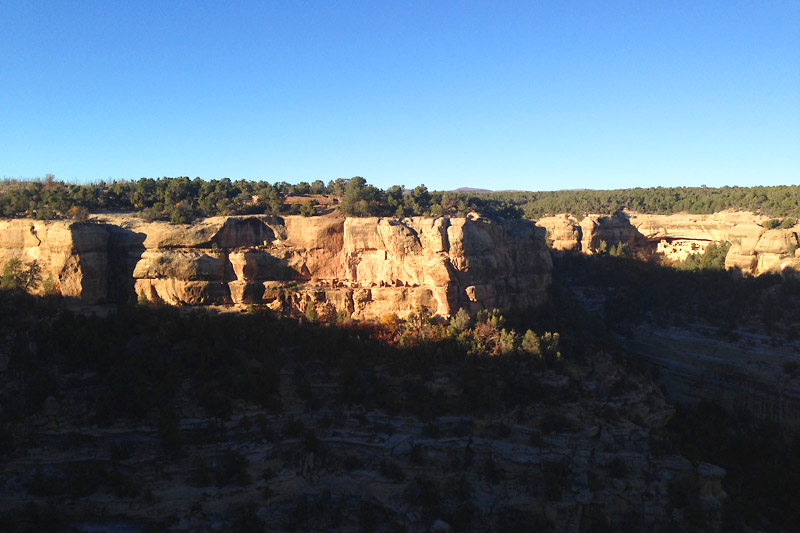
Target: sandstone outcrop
[(362, 267), (73, 256), (754, 249), (566, 232)]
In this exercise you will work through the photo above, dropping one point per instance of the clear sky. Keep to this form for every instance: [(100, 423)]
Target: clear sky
[(501, 95)]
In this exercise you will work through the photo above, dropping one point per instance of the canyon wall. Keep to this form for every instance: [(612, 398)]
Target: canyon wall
[(695, 364), (74, 257), (754, 248), (362, 267)]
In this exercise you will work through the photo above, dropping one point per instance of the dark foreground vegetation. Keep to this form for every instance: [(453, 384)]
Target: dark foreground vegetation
[(761, 460), (149, 398), (182, 199)]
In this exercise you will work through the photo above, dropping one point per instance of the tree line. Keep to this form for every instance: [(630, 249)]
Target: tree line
[(181, 199)]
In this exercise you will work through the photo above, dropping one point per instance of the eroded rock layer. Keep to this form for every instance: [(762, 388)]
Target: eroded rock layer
[(72, 257), (362, 267), (754, 250)]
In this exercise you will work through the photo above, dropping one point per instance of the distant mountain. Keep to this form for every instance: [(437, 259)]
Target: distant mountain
[(471, 189)]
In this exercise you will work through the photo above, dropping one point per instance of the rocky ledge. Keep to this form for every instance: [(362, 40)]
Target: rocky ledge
[(756, 373)]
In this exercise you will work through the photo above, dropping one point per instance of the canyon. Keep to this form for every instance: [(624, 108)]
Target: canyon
[(370, 268), (745, 369), (568, 443)]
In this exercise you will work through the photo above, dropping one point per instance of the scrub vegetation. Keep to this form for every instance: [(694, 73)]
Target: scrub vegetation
[(182, 199)]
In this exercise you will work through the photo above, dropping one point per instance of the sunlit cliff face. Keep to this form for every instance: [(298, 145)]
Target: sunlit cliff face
[(363, 267), (754, 249)]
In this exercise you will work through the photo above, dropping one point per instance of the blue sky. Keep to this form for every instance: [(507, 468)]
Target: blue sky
[(499, 95)]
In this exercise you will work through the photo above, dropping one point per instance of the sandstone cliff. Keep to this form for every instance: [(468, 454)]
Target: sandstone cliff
[(754, 248), (363, 267), (73, 255)]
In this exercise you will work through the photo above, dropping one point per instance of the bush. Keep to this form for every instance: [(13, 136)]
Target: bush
[(712, 259), (151, 214), (460, 321), (530, 343), (79, 213), (782, 223), (307, 209), (311, 312), (17, 276)]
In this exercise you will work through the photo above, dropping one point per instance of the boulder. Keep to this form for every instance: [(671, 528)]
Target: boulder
[(777, 241)]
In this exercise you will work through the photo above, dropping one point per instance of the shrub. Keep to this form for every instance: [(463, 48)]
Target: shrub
[(621, 249), (17, 276), (460, 321), (151, 214), (530, 343), (79, 213), (507, 342), (307, 209), (550, 344), (49, 286), (311, 312)]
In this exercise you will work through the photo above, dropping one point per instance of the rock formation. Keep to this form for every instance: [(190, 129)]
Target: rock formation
[(74, 256), (363, 267), (754, 249), (693, 364)]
